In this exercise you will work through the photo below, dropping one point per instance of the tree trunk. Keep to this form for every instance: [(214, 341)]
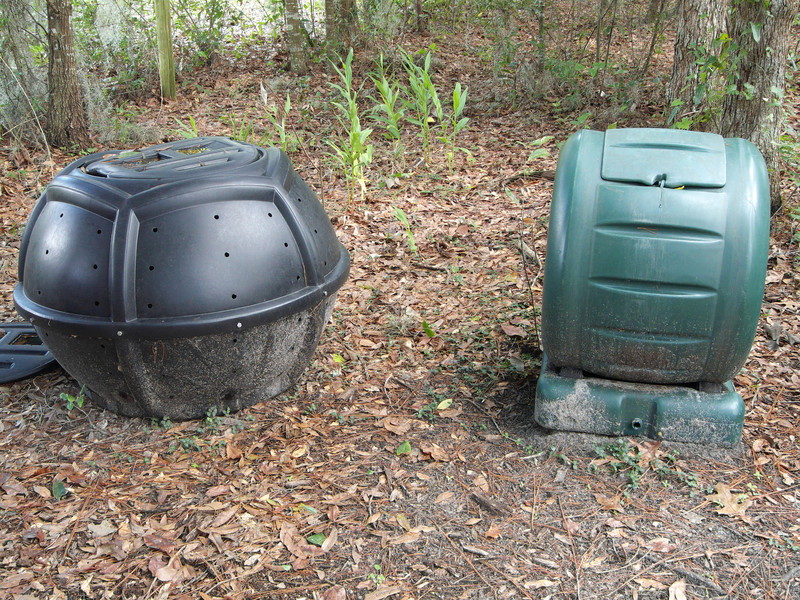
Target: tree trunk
[(341, 23), (296, 41), (754, 111), (66, 114), (166, 58), (330, 24), (20, 83), (700, 22)]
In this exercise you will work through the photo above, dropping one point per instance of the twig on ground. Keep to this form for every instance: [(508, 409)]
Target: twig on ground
[(464, 556), (691, 576)]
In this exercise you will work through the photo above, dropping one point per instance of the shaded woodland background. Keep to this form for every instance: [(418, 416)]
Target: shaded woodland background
[(405, 463)]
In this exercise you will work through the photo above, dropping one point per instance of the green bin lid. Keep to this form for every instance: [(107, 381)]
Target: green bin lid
[(675, 157)]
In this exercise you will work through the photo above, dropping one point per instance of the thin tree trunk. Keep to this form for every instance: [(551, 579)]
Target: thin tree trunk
[(66, 114), (700, 22), (166, 58), (298, 58), (331, 38), (754, 112)]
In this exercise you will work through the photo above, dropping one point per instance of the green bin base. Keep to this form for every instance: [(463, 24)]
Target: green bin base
[(663, 412)]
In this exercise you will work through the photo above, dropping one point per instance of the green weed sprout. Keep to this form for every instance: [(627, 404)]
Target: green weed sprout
[(423, 97), (352, 154), (452, 126), (390, 110), (286, 140), (187, 130), (401, 216), (73, 401)]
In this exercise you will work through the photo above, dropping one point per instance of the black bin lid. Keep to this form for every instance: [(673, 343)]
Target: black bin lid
[(175, 160), (197, 236)]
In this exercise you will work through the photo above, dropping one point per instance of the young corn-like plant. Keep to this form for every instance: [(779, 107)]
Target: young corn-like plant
[(400, 215), (457, 122), (352, 153), (423, 97), (390, 110), (277, 117)]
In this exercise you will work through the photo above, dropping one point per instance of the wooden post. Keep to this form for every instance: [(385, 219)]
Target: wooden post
[(166, 60)]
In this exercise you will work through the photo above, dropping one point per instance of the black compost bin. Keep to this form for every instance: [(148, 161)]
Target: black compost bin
[(185, 276)]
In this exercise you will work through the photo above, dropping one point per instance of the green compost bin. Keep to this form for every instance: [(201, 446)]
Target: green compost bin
[(656, 261)]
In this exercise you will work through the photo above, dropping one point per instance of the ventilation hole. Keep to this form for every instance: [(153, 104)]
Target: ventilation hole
[(94, 266), (233, 296), (46, 335), (636, 423), (234, 340), (315, 231), (227, 254), (269, 214), (325, 263), (99, 231), (299, 319), (299, 199), (155, 229), (216, 216), (97, 302), (61, 216), (291, 349), (47, 251), (103, 346), (171, 396), (39, 292), (149, 306), (152, 268), (298, 278), (285, 244)]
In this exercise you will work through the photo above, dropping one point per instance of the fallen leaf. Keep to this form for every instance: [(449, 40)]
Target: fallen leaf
[(217, 490), (677, 591), (404, 448), (443, 497), (159, 542), (650, 584), (409, 537), (402, 520), (608, 503), (42, 491), (337, 592), (493, 532), (513, 330), (731, 505), (232, 451), (480, 482), (86, 586), (397, 425), (660, 545), (166, 573), (223, 517), (330, 540), (539, 583), (102, 529), (296, 543), (382, 593), (571, 526), (435, 451)]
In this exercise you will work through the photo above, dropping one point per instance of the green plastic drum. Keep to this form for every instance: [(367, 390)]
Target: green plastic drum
[(656, 260)]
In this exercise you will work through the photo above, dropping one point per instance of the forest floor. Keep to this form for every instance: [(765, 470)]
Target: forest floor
[(401, 465)]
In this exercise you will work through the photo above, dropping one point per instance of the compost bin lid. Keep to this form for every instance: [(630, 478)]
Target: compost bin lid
[(175, 160), (669, 157)]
